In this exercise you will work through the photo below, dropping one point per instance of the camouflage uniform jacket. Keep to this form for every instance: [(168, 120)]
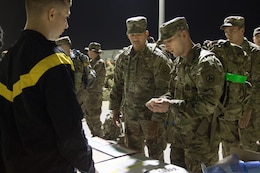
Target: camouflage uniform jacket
[(78, 73), (138, 77), (99, 66), (236, 94), (198, 88)]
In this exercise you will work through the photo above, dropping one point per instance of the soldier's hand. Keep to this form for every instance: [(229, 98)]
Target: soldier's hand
[(116, 118), (244, 120), (160, 105), (150, 104)]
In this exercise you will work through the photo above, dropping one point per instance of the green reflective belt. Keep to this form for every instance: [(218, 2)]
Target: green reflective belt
[(235, 78)]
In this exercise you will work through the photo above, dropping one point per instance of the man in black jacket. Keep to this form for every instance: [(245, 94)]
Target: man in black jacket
[(40, 118)]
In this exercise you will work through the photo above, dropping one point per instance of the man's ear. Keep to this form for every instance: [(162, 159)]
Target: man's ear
[(51, 14), (184, 33), (243, 30), (146, 33)]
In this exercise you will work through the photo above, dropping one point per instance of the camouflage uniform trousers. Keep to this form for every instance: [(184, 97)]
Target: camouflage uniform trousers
[(137, 136), (199, 151), (91, 104), (177, 156), (251, 133), (230, 135)]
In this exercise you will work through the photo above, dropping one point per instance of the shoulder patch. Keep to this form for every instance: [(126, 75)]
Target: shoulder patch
[(210, 78)]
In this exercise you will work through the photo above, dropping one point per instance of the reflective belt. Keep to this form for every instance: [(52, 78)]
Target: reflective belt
[(236, 78)]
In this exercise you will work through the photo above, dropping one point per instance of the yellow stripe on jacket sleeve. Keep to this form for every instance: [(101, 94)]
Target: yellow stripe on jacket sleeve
[(31, 78), (5, 92)]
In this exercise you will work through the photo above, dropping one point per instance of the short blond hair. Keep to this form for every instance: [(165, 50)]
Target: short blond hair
[(37, 6)]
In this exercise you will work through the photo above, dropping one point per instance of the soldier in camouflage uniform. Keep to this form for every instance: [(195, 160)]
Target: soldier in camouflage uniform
[(65, 43), (238, 119), (198, 86), (142, 72), (256, 36), (239, 127), (80, 62), (248, 125), (231, 107), (91, 97), (256, 40)]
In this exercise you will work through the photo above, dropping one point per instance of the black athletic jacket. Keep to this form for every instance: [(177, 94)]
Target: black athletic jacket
[(40, 118)]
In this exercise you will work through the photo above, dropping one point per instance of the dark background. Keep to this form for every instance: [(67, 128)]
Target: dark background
[(104, 20)]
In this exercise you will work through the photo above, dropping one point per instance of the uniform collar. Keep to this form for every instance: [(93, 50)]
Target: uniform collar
[(193, 53)]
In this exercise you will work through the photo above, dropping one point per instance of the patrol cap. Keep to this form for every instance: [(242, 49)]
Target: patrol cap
[(63, 40), (233, 21), (94, 46), (136, 24), (168, 29), (256, 31)]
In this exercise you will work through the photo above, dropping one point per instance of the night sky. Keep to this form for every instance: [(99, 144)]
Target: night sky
[(104, 20)]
